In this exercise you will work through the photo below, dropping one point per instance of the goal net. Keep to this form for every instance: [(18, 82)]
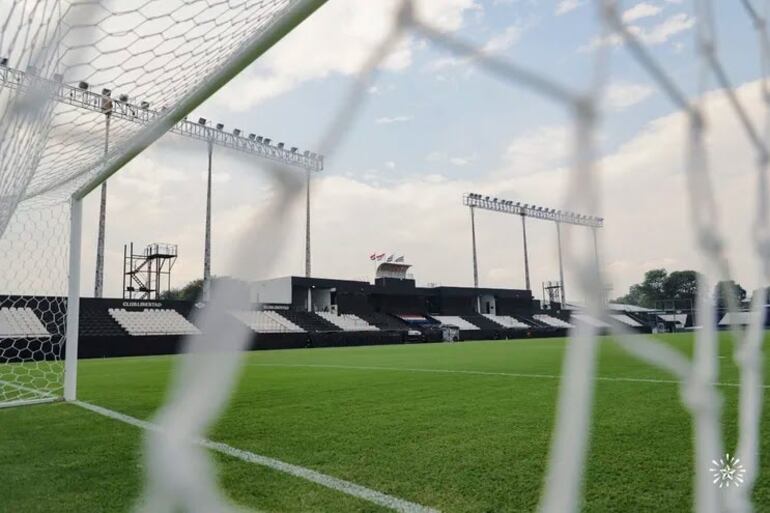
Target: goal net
[(84, 87), (174, 54)]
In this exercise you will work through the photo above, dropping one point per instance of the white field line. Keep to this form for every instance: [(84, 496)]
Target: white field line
[(339, 485), (477, 373)]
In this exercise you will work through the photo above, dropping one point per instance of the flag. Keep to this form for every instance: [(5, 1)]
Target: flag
[(380, 256), (373, 256), (390, 258), (400, 259)]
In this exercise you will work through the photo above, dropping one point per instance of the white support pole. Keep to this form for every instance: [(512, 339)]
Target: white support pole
[(207, 241), (561, 266), (526, 254), (73, 302), (307, 226)]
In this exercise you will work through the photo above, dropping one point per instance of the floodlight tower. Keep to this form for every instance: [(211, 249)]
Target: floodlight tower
[(106, 105), (82, 97), (474, 200)]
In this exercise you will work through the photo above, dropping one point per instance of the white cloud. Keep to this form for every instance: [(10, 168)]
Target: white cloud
[(565, 6), (622, 95), (389, 120), (498, 43), (541, 149), (342, 36), (653, 36), (641, 10), (504, 40), (672, 26)]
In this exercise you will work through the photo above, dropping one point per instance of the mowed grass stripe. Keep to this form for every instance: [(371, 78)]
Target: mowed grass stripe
[(339, 485), (476, 373)]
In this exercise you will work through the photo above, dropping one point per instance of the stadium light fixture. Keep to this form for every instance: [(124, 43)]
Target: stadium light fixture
[(280, 145), (252, 136), (267, 140), (144, 105), (106, 92), (220, 126), (294, 149), (259, 138), (531, 210), (83, 85), (123, 98), (237, 132), (4, 62), (201, 121)]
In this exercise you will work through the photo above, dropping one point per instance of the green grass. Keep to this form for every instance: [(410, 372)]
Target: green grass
[(456, 442)]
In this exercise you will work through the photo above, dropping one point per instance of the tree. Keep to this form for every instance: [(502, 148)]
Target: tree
[(681, 285), (722, 293), (658, 285)]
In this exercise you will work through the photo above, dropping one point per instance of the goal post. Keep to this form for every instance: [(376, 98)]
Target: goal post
[(73, 301)]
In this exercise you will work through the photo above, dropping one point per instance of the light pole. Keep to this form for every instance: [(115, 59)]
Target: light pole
[(99, 277), (526, 253), (561, 266), (307, 226), (207, 242)]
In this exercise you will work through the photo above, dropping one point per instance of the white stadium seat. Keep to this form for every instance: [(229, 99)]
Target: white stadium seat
[(21, 323), (737, 319), (266, 322), (348, 322), (591, 321), (153, 322), (680, 319), (507, 321), (454, 320), (628, 321), (551, 321)]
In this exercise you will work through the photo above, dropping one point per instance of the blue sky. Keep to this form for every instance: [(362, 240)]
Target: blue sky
[(435, 126)]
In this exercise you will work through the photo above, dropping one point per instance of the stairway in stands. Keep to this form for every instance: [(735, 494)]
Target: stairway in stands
[(384, 321), (308, 321), (481, 321)]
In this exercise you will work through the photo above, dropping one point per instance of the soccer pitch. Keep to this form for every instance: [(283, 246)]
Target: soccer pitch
[(456, 427)]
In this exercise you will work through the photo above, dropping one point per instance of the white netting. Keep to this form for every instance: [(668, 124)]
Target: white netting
[(73, 75), (180, 475)]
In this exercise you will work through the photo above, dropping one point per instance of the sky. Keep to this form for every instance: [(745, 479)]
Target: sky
[(435, 126)]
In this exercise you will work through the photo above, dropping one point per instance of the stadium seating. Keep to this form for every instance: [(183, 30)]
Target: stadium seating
[(455, 320), (736, 319), (348, 322), (95, 321), (551, 321), (680, 319), (481, 321), (591, 321), (384, 321), (153, 322), (21, 323), (628, 321), (507, 321), (266, 322), (308, 321)]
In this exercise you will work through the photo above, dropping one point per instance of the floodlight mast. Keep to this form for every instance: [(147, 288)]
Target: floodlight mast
[(82, 97), (475, 200)]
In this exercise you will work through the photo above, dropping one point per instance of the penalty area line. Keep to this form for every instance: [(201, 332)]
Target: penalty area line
[(474, 373), (333, 483)]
